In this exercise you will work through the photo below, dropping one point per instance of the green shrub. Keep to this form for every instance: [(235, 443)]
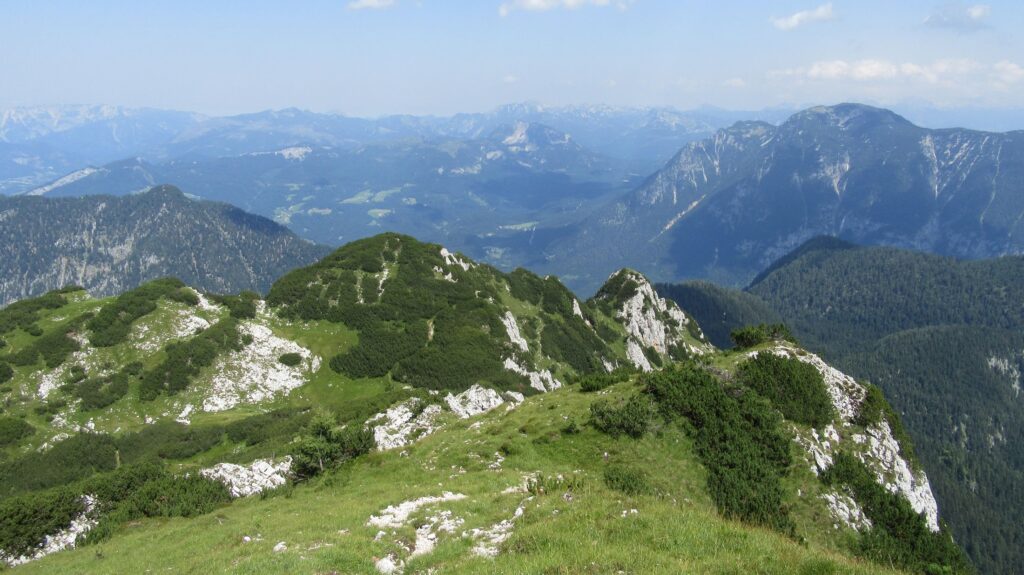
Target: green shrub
[(75, 458), (168, 440), (26, 521), (899, 536), (99, 392), (13, 430), (591, 382), (795, 387), (24, 313), (324, 446), (628, 480), (737, 438), (280, 423), (6, 372), (632, 418), (241, 306), (53, 347), (752, 335), (290, 359)]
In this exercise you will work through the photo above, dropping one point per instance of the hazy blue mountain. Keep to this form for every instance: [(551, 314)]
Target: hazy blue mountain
[(727, 206), (108, 244)]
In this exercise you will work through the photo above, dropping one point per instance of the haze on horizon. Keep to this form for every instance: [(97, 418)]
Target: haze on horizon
[(378, 57)]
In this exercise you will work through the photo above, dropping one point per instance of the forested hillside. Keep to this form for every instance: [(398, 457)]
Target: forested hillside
[(941, 336)]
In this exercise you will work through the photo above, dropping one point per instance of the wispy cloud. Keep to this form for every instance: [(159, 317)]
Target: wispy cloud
[(370, 4), (794, 21), (510, 79), (735, 83), (960, 17), (507, 8), (945, 72)]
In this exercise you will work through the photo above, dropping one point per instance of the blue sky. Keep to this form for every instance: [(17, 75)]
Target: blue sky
[(372, 57)]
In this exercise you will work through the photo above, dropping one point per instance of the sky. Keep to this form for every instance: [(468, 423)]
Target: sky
[(377, 57)]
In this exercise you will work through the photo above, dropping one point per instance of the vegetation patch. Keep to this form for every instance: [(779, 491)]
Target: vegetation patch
[(795, 387), (632, 418), (753, 335), (13, 430), (737, 437), (113, 323), (185, 359), (627, 479), (899, 535)]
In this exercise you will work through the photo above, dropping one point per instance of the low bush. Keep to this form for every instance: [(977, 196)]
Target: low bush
[(592, 382), (899, 536), (323, 446), (26, 521), (283, 423), (290, 359), (632, 418), (796, 388), (185, 359), (752, 335), (114, 321), (13, 430), (629, 480), (737, 437), (6, 372)]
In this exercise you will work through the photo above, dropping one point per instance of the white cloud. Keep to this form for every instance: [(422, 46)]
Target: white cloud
[(507, 8), (510, 79), (960, 17), (793, 21), (735, 83), (949, 72), (1007, 72), (370, 4)]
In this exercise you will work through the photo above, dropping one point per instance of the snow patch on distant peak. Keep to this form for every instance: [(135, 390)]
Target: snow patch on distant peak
[(64, 181), (294, 153)]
